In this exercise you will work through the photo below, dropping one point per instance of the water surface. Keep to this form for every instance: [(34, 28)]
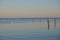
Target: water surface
[(29, 29)]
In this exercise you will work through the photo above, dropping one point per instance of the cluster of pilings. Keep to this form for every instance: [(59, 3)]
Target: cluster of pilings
[(48, 22)]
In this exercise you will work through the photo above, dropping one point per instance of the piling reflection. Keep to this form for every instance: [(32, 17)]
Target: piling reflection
[(33, 20), (48, 23), (55, 22), (40, 20)]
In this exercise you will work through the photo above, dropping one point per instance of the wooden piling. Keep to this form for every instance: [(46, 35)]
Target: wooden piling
[(48, 23)]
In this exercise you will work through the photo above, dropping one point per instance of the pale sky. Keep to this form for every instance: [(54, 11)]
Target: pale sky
[(29, 8)]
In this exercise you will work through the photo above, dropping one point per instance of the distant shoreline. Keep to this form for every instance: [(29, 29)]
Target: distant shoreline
[(29, 18), (35, 17)]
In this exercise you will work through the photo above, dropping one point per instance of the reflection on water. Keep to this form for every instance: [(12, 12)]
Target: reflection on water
[(33, 20), (48, 23), (24, 20), (24, 29), (55, 22)]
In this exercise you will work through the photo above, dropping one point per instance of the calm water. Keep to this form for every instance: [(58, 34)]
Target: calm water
[(29, 29)]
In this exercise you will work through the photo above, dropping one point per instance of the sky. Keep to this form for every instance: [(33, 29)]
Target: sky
[(29, 8)]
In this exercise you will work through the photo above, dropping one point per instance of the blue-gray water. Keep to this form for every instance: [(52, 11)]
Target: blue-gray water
[(29, 29)]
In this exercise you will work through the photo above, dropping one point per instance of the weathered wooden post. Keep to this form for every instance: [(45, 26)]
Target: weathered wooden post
[(48, 23)]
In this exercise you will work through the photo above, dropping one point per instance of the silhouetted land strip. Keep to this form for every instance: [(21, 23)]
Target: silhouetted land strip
[(25, 18)]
